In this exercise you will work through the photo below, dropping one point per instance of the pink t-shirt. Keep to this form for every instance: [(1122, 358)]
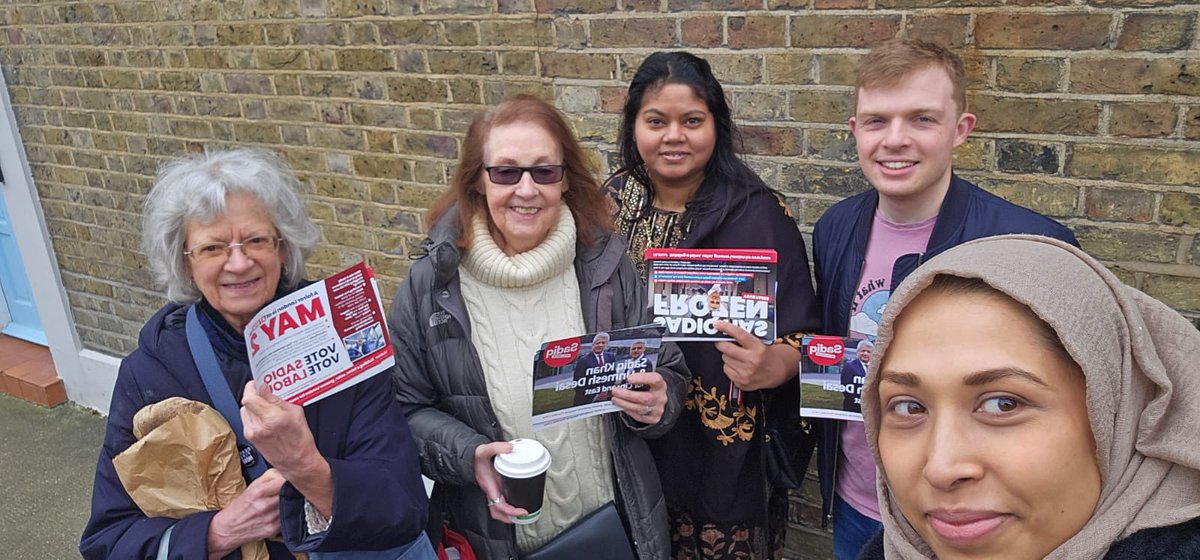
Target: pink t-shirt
[(888, 241)]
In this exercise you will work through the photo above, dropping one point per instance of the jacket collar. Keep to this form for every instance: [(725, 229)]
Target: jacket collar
[(951, 216)]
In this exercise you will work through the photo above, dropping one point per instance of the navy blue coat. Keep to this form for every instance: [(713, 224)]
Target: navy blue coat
[(379, 500), (840, 247)]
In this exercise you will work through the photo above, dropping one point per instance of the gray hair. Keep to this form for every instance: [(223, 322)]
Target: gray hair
[(194, 188), (864, 344), (600, 336)]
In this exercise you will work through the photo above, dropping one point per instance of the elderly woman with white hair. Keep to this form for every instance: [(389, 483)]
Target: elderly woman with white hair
[(227, 233)]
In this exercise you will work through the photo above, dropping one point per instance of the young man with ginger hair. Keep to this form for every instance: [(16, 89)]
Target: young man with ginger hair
[(910, 113)]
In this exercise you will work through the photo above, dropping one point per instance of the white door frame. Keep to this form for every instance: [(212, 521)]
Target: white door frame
[(88, 375), (4, 317)]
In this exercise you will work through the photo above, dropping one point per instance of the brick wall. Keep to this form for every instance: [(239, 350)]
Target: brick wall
[(1088, 111)]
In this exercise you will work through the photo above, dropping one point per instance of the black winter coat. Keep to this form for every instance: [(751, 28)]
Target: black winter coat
[(444, 394)]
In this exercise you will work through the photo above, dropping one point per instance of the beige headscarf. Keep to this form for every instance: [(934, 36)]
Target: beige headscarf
[(1142, 364)]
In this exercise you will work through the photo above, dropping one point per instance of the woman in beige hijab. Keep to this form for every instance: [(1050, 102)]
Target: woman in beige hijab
[(1027, 404)]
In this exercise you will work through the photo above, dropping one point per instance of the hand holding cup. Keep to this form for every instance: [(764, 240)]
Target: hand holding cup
[(489, 481)]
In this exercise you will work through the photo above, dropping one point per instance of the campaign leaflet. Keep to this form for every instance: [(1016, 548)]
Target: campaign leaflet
[(833, 371), (692, 288), (321, 339), (573, 378)]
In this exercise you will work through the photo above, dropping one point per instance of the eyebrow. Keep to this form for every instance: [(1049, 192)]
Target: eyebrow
[(917, 111), (687, 113), (988, 376), (900, 378), (984, 377)]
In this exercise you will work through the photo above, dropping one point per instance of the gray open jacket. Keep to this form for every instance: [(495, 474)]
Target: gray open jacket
[(444, 395)]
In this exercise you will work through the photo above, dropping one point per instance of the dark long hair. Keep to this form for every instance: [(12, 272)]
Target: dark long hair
[(583, 196), (727, 179)]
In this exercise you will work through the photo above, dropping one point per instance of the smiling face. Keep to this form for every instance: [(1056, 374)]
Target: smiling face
[(637, 349), (523, 214), (237, 287), (905, 134), (675, 134), (599, 344), (984, 434), (864, 354)]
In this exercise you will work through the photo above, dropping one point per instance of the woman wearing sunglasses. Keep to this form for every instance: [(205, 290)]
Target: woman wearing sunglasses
[(520, 251)]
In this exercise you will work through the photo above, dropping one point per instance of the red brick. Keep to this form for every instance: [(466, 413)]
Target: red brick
[(10, 385), (843, 31), (612, 98), (772, 140), (1123, 205), (702, 31), (704, 5), (947, 30), (757, 31), (1041, 31), (935, 3)]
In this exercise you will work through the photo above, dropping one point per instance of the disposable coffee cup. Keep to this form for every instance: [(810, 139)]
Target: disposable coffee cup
[(523, 477)]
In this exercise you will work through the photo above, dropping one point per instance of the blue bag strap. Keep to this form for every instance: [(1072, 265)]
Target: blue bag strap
[(164, 544), (218, 390)]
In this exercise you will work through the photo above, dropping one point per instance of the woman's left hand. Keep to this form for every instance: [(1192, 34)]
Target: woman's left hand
[(752, 365), (644, 405)]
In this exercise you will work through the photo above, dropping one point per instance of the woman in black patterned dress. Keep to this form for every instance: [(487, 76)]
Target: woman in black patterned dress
[(681, 184)]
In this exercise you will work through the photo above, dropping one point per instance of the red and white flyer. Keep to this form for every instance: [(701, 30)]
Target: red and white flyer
[(689, 289), (321, 339)]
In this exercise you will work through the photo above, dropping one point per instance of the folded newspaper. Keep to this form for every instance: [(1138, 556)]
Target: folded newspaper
[(574, 377), (321, 339), (833, 371), (692, 288)]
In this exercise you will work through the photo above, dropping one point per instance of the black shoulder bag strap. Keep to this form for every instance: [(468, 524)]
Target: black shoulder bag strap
[(218, 391)]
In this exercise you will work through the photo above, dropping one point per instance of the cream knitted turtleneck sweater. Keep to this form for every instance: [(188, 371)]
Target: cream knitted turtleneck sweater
[(516, 303)]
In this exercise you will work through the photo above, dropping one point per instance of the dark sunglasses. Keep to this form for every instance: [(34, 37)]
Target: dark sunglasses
[(511, 174)]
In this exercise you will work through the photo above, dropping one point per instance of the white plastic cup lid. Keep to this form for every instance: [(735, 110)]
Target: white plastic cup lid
[(528, 459)]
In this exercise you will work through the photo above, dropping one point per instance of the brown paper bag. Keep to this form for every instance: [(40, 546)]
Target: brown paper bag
[(185, 461)]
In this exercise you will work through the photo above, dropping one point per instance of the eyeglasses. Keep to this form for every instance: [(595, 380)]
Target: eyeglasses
[(511, 174), (258, 246)]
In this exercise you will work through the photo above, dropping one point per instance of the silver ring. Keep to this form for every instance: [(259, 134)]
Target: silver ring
[(646, 412), (492, 502)]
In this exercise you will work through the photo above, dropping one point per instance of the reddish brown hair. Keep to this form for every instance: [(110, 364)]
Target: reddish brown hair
[(583, 197), (890, 63)]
